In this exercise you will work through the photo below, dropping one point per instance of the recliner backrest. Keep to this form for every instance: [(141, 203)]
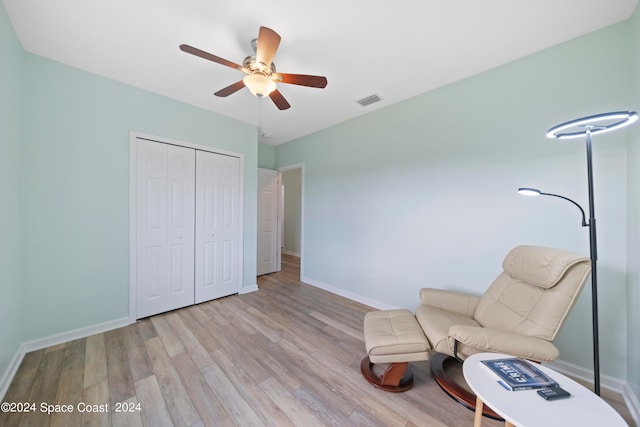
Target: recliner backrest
[(535, 292)]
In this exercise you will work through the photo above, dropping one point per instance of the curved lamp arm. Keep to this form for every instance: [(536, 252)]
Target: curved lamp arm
[(535, 192)]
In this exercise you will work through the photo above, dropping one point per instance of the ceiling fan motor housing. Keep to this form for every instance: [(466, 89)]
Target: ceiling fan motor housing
[(252, 65)]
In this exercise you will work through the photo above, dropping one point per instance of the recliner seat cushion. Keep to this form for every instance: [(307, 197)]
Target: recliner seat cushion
[(435, 322)]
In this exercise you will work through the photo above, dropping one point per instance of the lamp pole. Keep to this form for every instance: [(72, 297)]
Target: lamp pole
[(593, 250), (586, 126)]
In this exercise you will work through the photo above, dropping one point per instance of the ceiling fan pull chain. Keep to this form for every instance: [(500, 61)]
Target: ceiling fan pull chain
[(259, 118)]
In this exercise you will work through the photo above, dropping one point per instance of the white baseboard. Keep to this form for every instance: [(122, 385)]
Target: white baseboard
[(631, 400), (349, 295), (52, 340), (291, 253), (62, 337), (248, 289), (10, 372), (578, 372)]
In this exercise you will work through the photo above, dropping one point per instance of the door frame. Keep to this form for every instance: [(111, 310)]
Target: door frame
[(302, 208), (133, 137)]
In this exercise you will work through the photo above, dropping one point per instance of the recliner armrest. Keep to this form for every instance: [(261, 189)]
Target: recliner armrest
[(496, 341), (457, 302)]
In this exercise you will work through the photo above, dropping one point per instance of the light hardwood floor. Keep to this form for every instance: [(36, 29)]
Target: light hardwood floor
[(287, 355)]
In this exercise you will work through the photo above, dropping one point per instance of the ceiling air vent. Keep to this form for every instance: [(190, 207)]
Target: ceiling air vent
[(372, 99)]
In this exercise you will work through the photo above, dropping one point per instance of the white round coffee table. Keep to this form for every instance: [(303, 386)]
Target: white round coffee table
[(527, 409)]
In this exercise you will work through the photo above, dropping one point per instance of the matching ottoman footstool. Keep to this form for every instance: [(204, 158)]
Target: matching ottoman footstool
[(393, 337)]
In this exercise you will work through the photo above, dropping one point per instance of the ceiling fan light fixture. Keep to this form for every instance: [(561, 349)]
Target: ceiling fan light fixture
[(259, 84)]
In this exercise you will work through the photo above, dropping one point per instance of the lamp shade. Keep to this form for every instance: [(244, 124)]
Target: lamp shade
[(526, 191), (259, 84), (598, 123)]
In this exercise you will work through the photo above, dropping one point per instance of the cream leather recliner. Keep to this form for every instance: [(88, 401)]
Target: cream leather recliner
[(520, 314)]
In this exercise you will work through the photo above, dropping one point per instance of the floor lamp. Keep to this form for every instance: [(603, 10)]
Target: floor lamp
[(587, 127)]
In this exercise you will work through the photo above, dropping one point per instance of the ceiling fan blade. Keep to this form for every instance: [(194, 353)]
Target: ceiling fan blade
[(301, 79), (268, 42), (211, 57), (279, 100), (230, 89)]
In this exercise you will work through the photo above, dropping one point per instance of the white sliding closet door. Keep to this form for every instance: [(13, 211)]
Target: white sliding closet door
[(165, 188), (217, 255)]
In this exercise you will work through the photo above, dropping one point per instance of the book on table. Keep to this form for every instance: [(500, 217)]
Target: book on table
[(517, 374)]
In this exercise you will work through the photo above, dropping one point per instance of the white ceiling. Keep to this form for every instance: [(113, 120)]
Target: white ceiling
[(395, 49)]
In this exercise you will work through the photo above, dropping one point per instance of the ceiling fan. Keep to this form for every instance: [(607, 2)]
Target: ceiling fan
[(261, 77)]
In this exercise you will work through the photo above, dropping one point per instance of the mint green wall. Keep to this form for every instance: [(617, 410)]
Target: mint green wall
[(423, 193), (633, 301), (11, 190), (266, 156), (292, 180), (76, 140)]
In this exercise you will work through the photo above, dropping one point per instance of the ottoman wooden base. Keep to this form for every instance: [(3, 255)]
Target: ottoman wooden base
[(396, 378), (393, 338)]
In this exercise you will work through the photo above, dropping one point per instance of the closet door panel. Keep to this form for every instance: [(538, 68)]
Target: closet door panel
[(164, 227), (217, 253), (181, 211)]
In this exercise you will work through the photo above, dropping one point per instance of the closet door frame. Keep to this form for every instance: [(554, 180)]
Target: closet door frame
[(133, 137)]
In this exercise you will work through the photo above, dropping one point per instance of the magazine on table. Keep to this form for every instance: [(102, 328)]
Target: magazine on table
[(517, 374)]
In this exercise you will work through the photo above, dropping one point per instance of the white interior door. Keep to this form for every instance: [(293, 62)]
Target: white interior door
[(165, 227), (268, 242), (217, 255)]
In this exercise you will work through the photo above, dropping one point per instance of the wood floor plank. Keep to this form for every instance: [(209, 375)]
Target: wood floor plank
[(201, 328), (139, 363), (44, 387), (121, 384), (326, 408), (340, 326), (232, 401), (361, 418), (276, 363), (96, 394), (74, 354), (154, 410), (298, 412), (177, 400), (146, 330), (95, 361), (192, 345), (170, 340), (128, 414), (240, 346), (268, 412), (70, 392), (210, 409)]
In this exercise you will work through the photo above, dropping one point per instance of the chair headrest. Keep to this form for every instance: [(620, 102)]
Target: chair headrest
[(540, 266)]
